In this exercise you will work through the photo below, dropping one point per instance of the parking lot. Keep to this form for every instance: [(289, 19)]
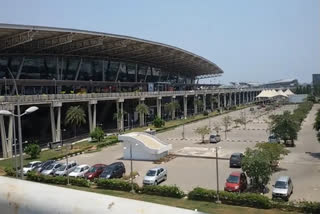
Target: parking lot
[(190, 172)]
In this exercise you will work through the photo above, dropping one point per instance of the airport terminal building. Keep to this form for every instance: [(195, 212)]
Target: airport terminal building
[(106, 74)]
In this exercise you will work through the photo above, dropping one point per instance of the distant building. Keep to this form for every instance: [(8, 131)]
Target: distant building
[(315, 79), (285, 83)]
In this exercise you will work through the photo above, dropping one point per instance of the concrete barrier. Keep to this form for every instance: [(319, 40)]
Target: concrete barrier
[(25, 197)]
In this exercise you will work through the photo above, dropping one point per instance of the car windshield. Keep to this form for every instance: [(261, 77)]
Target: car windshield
[(50, 167), (107, 171), (63, 167), (151, 173), (280, 185), (29, 165), (233, 179), (234, 157), (92, 169), (77, 169)]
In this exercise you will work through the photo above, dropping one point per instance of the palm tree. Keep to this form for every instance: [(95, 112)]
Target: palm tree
[(142, 109), (171, 108), (117, 117), (75, 117)]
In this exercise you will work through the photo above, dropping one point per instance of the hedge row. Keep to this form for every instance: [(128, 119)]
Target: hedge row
[(116, 184), (108, 143), (302, 111), (244, 199), (252, 200), (61, 180), (167, 191)]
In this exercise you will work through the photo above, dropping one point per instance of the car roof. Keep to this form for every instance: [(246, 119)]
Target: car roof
[(156, 168), (99, 164), (235, 173), (283, 178), (115, 163), (236, 154), (33, 162), (83, 165)]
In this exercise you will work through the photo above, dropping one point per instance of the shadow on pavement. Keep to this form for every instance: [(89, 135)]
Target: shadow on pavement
[(314, 154)]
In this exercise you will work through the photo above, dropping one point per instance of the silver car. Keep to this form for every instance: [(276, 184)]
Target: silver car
[(64, 169), (79, 171), (214, 138), (155, 176), (51, 169), (283, 188), (30, 166)]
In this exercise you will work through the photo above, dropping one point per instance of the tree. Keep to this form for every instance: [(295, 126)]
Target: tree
[(256, 165), (97, 134), (216, 127), (226, 122), (117, 116), (33, 150), (199, 103), (237, 121), (274, 151), (75, 117), (172, 107), (142, 109), (243, 119), (285, 127), (158, 122), (203, 131), (316, 124)]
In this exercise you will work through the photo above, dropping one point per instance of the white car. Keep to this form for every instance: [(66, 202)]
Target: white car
[(30, 166), (155, 176), (79, 171), (51, 169), (64, 169)]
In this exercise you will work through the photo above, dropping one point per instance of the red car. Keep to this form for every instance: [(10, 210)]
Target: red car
[(94, 171), (236, 182)]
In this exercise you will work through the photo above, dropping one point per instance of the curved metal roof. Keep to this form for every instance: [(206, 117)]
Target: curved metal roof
[(36, 40)]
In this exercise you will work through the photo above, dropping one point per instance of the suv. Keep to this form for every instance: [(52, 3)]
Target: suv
[(235, 160), (236, 182), (114, 170), (214, 138), (155, 176), (283, 188)]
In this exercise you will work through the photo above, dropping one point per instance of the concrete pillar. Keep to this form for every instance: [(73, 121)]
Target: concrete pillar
[(121, 117), (235, 98), (141, 116), (159, 106), (173, 113), (195, 103), (247, 96), (185, 106), (224, 100), (204, 98), (230, 99), (92, 114), (239, 100), (10, 136), (55, 122), (219, 101), (243, 101), (3, 137), (211, 102)]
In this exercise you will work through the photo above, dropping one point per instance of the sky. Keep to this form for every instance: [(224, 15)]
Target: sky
[(250, 40)]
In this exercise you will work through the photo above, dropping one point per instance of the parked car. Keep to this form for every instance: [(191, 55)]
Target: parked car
[(235, 160), (273, 139), (236, 182), (42, 166), (214, 138), (155, 176), (51, 169), (30, 166), (64, 169), (114, 170), (95, 171), (79, 171), (283, 188)]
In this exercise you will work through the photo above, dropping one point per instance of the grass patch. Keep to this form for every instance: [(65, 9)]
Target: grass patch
[(207, 207)]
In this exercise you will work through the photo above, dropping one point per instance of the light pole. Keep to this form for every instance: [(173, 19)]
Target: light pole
[(67, 154), (183, 132), (131, 166), (217, 170), (19, 115)]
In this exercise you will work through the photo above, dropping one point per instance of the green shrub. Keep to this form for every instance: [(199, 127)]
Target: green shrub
[(33, 150), (10, 172), (205, 113), (60, 180), (116, 184), (107, 143), (97, 134), (309, 207), (158, 122), (167, 191), (243, 199)]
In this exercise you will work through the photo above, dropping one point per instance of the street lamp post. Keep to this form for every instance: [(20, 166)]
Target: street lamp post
[(183, 132), (131, 167), (217, 170)]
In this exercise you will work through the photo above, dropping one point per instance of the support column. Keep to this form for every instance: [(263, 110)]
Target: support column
[(224, 100), (204, 102), (10, 136), (242, 101), (55, 122), (141, 115), (92, 114), (239, 101), (195, 103), (185, 106), (159, 99), (219, 101), (121, 115), (235, 98), (211, 102), (230, 99), (173, 116), (3, 137)]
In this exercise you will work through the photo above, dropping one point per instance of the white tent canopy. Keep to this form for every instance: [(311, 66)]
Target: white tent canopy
[(288, 92), (271, 93)]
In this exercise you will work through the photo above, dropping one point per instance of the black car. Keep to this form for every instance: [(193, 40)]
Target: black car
[(114, 170), (235, 160), (42, 166)]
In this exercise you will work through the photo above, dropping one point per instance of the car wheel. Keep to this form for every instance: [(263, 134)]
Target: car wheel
[(156, 183)]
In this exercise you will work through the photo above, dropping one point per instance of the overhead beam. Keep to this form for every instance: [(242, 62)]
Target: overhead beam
[(53, 42), (17, 39), (81, 45), (113, 46), (130, 51)]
